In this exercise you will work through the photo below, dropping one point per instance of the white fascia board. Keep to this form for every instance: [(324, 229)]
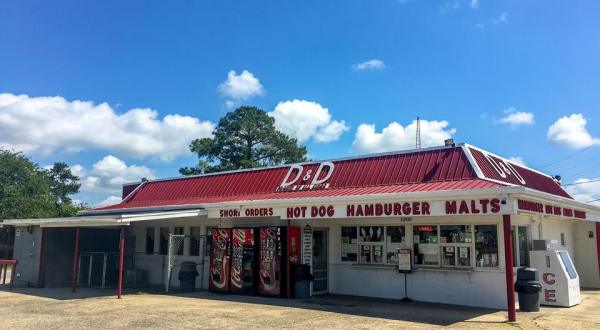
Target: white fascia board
[(420, 195), (40, 221)]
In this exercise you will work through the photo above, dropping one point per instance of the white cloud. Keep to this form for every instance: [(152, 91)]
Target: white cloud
[(480, 26), (585, 192), (48, 124), (396, 137), (110, 200), (474, 4), (304, 120), (571, 132), (517, 118), (370, 65), (501, 18), (240, 87), (517, 160), (109, 174)]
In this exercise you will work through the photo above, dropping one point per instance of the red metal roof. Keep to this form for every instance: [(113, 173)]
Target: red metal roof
[(523, 176), (356, 191), (447, 168)]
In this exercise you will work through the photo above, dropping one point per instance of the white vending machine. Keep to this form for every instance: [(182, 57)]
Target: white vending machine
[(558, 276)]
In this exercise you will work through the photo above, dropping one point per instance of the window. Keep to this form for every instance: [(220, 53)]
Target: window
[(426, 248), (150, 240), (349, 244), (455, 243), (486, 246), (178, 242), (164, 240), (194, 241), (563, 241), (208, 241), (395, 239), (371, 244)]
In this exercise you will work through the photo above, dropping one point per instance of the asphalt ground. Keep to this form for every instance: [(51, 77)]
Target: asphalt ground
[(29, 308)]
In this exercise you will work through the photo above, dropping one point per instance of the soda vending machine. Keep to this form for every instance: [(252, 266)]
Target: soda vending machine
[(220, 260), (273, 263), (243, 260)]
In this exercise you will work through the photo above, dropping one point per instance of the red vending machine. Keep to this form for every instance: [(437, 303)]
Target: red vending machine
[(220, 260), (243, 260), (273, 260)]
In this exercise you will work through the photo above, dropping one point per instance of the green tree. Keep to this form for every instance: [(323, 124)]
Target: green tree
[(28, 191), (244, 138)]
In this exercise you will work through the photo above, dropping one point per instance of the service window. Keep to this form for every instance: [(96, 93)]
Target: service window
[(486, 246), (371, 244), (194, 241), (164, 240), (455, 243), (178, 241), (395, 239), (349, 244), (150, 240), (426, 246)]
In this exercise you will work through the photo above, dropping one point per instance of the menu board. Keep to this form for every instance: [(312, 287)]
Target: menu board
[(404, 260)]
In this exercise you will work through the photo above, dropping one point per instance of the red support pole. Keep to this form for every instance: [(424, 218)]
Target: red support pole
[(508, 260), (289, 275), (75, 262), (121, 253), (41, 262), (598, 243)]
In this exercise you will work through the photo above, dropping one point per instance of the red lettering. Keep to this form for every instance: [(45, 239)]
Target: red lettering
[(314, 211), (474, 209), (484, 205), (548, 278), (495, 204), (451, 207), (397, 209), (548, 209), (550, 295), (387, 209), (359, 211), (557, 210), (349, 210), (270, 211), (330, 211), (416, 208), (297, 212), (322, 211), (220, 213), (464, 208), (303, 211), (406, 208), (369, 210), (580, 214), (425, 208), (290, 212), (378, 209), (568, 212)]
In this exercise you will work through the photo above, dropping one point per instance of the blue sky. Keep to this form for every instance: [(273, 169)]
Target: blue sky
[(496, 74)]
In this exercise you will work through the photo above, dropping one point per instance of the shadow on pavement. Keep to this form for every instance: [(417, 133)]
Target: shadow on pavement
[(428, 313)]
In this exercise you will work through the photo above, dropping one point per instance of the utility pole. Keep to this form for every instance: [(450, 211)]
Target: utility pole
[(418, 135)]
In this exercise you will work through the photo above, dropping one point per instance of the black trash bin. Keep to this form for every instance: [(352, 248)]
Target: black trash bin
[(302, 278), (187, 276), (528, 287)]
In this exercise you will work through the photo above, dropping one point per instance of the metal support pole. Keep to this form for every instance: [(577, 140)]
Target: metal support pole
[(12, 274), (41, 261), (508, 260), (75, 262), (121, 253), (3, 270), (598, 243)]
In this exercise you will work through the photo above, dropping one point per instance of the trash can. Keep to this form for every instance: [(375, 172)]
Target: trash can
[(528, 287), (302, 278), (187, 276)]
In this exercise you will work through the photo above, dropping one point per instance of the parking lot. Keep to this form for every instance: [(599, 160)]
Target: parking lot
[(59, 308)]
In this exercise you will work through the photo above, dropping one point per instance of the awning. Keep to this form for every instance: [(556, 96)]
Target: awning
[(102, 220)]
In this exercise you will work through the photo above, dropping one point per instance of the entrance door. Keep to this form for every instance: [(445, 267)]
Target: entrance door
[(320, 262), (520, 241)]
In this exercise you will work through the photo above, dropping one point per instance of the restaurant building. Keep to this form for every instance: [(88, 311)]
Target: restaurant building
[(467, 218)]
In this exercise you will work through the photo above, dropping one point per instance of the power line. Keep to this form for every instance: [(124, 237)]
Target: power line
[(593, 200), (581, 182), (587, 169), (565, 158)]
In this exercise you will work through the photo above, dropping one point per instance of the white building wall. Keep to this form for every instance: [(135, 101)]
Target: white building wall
[(587, 255)]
